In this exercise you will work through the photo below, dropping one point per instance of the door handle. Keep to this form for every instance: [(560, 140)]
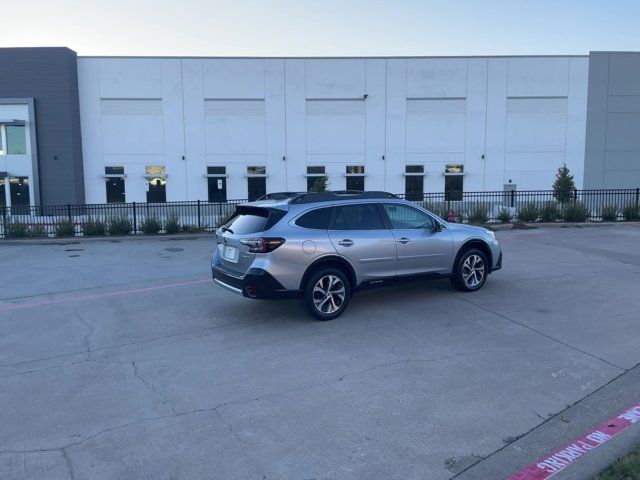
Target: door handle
[(404, 240), (346, 242)]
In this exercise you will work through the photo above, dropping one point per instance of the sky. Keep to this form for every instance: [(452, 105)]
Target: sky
[(322, 28)]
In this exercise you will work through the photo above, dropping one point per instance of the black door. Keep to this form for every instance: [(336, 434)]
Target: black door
[(217, 189)]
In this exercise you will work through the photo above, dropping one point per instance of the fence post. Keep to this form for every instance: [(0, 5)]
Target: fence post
[(199, 223), (135, 219), (575, 195), (637, 197), (513, 198), (219, 221), (4, 221), (69, 213)]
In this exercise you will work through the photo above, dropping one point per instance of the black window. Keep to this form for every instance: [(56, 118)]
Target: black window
[(3, 193), (115, 185), (316, 179), (355, 177), (357, 217), (453, 187), (414, 182), (256, 186), (157, 192), (404, 216), (217, 186), (252, 220), (19, 193), (317, 219)]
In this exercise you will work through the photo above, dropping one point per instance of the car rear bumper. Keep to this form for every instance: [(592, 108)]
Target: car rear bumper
[(256, 283)]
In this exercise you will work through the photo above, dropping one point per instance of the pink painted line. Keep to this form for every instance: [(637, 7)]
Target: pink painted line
[(101, 295), (549, 465)]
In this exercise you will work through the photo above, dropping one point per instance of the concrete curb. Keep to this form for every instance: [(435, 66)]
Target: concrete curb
[(112, 239), (525, 226)]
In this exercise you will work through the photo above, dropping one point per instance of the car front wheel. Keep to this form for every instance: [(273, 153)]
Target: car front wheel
[(327, 294), (471, 271)]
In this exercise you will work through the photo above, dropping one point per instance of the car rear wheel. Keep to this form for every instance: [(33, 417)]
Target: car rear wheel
[(327, 293), (471, 271)]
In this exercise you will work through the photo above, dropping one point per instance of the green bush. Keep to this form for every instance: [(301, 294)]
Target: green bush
[(119, 226), (37, 231), (151, 225), (631, 212), (191, 228), (478, 213), (609, 213), (529, 212), (576, 212), (65, 228), (504, 215), (549, 212), (16, 230), (172, 225), (92, 228)]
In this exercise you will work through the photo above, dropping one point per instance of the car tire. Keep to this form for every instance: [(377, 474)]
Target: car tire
[(471, 271), (327, 293)]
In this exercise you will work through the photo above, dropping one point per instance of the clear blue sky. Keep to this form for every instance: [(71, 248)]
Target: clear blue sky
[(322, 28)]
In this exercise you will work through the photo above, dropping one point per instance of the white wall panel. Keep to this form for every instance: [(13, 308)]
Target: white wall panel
[(436, 125), (538, 77), (333, 78), (235, 126), (132, 126), (437, 77), (233, 78), (130, 77), (536, 124), (335, 126)]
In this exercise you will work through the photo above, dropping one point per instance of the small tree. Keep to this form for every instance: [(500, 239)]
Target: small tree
[(563, 186), (320, 184)]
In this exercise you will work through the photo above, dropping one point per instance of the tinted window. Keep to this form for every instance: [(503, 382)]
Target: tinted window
[(318, 219), (357, 217), (403, 216), (252, 220)]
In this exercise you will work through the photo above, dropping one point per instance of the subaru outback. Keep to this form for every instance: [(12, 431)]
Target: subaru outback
[(323, 247)]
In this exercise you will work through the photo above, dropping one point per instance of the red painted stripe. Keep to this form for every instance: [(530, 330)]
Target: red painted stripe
[(100, 295), (557, 461)]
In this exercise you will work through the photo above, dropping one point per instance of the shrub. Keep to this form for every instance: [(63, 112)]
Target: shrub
[(119, 226), (504, 215), (151, 225), (319, 184), (172, 225), (631, 212), (191, 228), (549, 212), (529, 212), (478, 213), (93, 228), (37, 231), (609, 213), (16, 230), (576, 212), (65, 228)]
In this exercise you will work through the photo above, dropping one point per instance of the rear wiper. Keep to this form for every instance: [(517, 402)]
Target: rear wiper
[(225, 229)]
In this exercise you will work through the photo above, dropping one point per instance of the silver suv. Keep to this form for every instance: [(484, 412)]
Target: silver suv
[(323, 247)]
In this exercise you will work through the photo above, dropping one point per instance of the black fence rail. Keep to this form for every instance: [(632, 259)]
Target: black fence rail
[(172, 217)]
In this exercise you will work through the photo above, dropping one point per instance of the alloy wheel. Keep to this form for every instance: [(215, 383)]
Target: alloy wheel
[(328, 294), (473, 271)]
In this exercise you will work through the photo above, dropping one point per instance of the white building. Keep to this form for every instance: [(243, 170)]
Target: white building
[(209, 128)]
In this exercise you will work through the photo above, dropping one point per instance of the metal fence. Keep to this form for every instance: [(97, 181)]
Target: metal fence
[(132, 218)]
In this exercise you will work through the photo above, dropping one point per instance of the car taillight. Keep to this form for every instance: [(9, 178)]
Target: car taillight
[(262, 245)]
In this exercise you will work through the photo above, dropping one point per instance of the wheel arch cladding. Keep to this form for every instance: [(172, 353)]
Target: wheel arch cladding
[(474, 243), (332, 261)]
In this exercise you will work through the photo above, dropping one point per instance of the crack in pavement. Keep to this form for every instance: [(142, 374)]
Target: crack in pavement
[(524, 325), (67, 459), (547, 420), (216, 408), (163, 398)]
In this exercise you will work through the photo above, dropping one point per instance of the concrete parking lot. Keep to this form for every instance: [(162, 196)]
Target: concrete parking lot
[(120, 359)]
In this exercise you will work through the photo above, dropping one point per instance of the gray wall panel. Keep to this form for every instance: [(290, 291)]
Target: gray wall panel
[(49, 75), (612, 150)]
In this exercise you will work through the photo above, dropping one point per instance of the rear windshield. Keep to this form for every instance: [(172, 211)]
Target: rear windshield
[(252, 220)]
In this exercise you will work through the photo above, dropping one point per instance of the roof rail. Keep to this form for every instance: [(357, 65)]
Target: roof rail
[(312, 197), (279, 195)]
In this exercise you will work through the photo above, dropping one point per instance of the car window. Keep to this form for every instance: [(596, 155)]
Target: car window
[(404, 216), (252, 220), (317, 219), (363, 216)]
